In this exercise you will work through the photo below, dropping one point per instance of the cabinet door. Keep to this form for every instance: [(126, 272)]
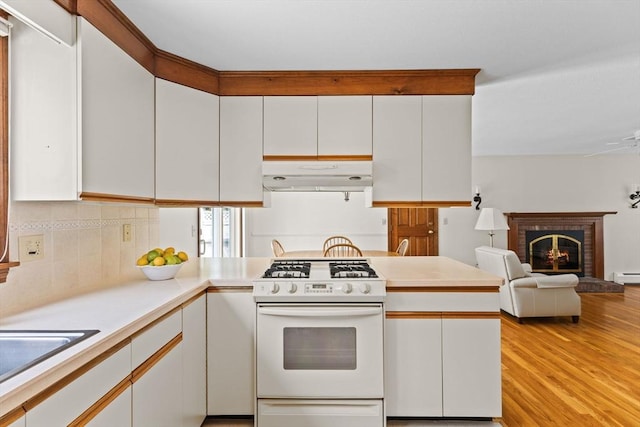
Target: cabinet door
[(413, 367), (187, 145), (117, 118), (471, 368), (290, 125), (397, 148), (194, 362), (44, 158), (446, 148), (230, 352), (157, 394), (344, 125), (240, 149)]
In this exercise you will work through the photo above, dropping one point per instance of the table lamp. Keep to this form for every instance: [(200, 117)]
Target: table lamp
[(491, 219)]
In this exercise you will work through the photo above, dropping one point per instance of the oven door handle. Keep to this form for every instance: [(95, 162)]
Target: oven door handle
[(321, 312)]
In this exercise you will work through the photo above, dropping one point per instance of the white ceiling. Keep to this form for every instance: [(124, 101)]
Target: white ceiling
[(558, 76)]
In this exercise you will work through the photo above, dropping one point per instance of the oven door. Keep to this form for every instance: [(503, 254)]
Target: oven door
[(319, 351)]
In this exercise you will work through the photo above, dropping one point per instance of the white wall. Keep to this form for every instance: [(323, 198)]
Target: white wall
[(179, 228), (302, 221), (552, 184)]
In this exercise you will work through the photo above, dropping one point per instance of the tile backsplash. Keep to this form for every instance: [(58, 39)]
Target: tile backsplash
[(83, 249)]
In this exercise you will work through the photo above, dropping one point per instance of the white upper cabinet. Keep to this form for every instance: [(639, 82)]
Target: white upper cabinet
[(446, 148), (241, 149), (290, 125), (116, 118), (397, 148), (345, 125), (187, 143), (43, 92)]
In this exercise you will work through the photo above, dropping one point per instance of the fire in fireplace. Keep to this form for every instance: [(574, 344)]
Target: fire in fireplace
[(555, 251)]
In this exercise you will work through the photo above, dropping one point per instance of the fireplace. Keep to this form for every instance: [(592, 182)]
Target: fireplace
[(565, 242), (555, 251)]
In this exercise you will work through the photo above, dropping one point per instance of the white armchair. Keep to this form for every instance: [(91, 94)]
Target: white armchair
[(526, 294)]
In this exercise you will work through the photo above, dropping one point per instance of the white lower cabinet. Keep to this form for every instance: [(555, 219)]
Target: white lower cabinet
[(413, 374), (442, 364), (72, 401), (471, 367), (230, 348), (194, 362)]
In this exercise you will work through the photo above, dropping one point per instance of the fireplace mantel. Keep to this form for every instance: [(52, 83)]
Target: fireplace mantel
[(590, 222)]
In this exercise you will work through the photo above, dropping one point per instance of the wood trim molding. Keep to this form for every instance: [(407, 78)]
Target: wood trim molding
[(12, 416), (413, 315), (4, 156), (420, 204), (188, 73), (393, 82), (186, 203), (101, 197), (105, 16), (155, 358), (193, 299), (467, 289), (241, 203), (155, 322), (319, 157), (442, 315), (214, 289), (95, 409)]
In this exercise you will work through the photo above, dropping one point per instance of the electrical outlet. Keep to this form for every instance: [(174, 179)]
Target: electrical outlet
[(31, 247), (126, 232)]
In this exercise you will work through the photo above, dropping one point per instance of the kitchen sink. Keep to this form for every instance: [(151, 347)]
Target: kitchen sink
[(20, 350)]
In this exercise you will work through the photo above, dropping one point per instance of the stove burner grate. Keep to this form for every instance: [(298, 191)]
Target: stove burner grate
[(351, 269), (288, 269)]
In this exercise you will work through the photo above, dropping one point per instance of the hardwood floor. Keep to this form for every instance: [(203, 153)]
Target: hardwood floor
[(558, 373)]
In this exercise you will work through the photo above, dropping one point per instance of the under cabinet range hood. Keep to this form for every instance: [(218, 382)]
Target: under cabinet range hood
[(329, 176)]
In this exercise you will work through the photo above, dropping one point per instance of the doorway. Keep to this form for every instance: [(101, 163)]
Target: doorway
[(419, 225)]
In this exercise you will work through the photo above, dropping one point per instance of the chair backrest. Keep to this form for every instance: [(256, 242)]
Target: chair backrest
[(402, 247), (501, 262), (342, 250), (277, 248), (334, 240)]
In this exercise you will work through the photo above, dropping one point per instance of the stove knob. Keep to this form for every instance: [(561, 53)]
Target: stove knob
[(293, 288), (275, 288), (347, 288), (365, 288)]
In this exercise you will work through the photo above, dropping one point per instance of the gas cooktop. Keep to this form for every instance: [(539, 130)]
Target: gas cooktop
[(326, 279)]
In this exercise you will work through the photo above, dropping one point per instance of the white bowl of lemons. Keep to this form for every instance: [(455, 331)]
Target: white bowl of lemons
[(161, 264)]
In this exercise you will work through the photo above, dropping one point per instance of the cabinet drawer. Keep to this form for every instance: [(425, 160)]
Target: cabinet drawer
[(66, 404), (152, 339)]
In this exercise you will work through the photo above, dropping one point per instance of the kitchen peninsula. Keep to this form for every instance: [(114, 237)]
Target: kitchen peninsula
[(442, 340)]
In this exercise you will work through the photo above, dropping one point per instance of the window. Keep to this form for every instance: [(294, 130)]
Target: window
[(220, 232)]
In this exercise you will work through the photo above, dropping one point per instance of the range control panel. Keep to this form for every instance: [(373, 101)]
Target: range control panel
[(298, 291)]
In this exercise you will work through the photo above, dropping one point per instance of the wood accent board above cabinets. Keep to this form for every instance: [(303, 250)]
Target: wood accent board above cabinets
[(114, 24)]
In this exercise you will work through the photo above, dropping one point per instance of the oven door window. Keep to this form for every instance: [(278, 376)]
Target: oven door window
[(317, 348)]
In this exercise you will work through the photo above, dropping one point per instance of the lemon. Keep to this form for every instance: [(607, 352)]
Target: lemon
[(170, 251), (142, 260), (152, 254), (158, 261), (183, 256), (160, 251)]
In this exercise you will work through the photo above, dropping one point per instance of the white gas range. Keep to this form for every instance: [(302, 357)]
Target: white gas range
[(319, 344)]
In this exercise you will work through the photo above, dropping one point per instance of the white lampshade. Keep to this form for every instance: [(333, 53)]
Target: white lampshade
[(491, 219)]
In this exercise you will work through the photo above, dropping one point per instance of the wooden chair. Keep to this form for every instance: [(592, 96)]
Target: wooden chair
[(334, 240), (342, 250), (402, 247), (277, 248)]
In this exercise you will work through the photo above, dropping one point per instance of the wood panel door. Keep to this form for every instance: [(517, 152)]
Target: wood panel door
[(419, 225)]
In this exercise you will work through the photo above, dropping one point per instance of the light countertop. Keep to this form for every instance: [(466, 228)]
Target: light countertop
[(120, 311)]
